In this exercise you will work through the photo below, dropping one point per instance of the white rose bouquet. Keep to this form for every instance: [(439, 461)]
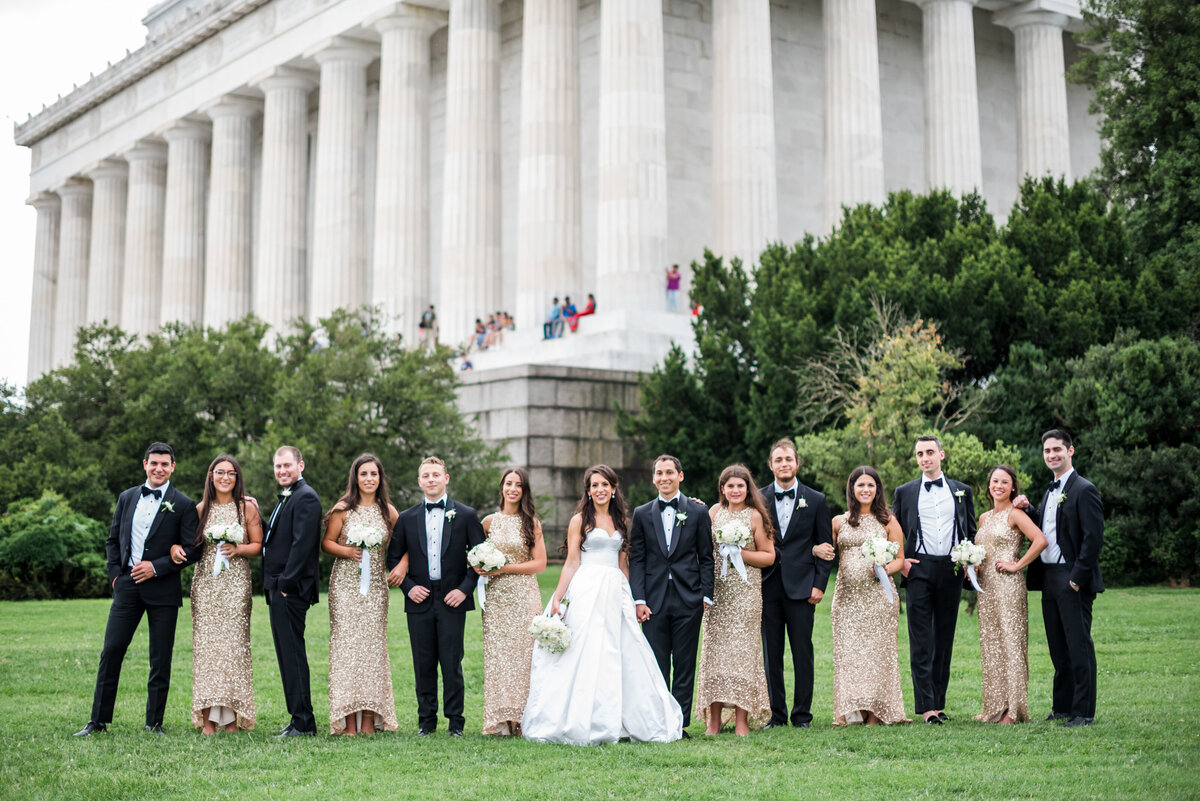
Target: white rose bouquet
[(551, 633), (366, 537), (231, 533), (487, 557), (968, 555), (731, 538), (879, 551)]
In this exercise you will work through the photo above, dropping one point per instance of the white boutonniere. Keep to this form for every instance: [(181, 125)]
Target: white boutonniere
[(959, 494), (680, 518), (451, 514), (1062, 499), (801, 503), (170, 507), (287, 493)]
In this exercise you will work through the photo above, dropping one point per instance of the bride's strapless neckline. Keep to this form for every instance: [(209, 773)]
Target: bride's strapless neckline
[(611, 535)]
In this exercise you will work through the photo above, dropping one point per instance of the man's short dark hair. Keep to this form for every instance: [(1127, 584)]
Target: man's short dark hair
[(160, 447), (292, 450), (1058, 433), (930, 438), (666, 457), (786, 442)]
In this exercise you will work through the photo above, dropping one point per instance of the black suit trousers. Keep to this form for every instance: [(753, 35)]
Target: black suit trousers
[(124, 616), (933, 593), (674, 635), (780, 614), (287, 630), (436, 639), (1068, 618)]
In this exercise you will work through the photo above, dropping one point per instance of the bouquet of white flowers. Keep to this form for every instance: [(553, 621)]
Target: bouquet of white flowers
[(968, 555), (232, 533), (487, 557), (551, 633), (731, 538), (879, 551), (366, 537)]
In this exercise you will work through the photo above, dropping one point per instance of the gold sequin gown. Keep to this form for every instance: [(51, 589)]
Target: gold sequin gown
[(222, 673), (866, 670), (731, 660), (1003, 622), (512, 602), (360, 673)]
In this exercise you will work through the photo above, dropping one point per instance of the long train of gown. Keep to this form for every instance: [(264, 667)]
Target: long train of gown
[(607, 684)]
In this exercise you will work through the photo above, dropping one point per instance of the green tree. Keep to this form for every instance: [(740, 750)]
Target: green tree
[(48, 550)]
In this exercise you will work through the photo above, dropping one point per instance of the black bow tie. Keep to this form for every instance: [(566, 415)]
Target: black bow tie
[(788, 493), (439, 505), (673, 503), (937, 482), (147, 491), (1055, 484)]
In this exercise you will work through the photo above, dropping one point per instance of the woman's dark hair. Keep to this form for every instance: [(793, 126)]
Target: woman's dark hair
[(525, 509), (1011, 474), (753, 499), (353, 496), (616, 506), (879, 508), (210, 496)]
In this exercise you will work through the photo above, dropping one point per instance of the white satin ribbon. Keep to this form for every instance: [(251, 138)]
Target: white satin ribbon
[(973, 578), (364, 572), (481, 591), (882, 575), (732, 553), (221, 562)]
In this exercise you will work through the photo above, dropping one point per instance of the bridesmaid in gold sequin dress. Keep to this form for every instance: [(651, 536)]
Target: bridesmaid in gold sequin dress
[(732, 682), (513, 600), (1003, 610), (222, 679), (866, 672), (360, 673)]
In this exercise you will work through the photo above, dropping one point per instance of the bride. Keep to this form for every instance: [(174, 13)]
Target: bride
[(606, 685)]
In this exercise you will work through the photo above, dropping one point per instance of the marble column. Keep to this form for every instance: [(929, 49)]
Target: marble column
[(549, 252), (74, 244), (183, 240), (400, 267), (281, 237), (45, 276), (953, 154), (227, 243), (141, 306), (1043, 128), (470, 267), (745, 200), (106, 262), (853, 118), (631, 217), (338, 276)]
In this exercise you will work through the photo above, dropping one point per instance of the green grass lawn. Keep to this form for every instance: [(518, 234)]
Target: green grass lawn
[(1145, 742)]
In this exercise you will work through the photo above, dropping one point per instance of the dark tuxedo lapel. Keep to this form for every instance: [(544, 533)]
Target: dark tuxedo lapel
[(448, 525), (1059, 513), (421, 534), (960, 509), (767, 494), (794, 520), (912, 512), (131, 503), (655, 513), (163, 511)]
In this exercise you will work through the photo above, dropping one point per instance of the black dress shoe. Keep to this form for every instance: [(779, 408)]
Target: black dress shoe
[(770, 725), (292, 731), (155, 729), (1078, 720), (286, 728), (942, 716), (804, 725), (424, 732), (1057, 716), (686, 736), (934, 720), (90, 729), (455, 732)]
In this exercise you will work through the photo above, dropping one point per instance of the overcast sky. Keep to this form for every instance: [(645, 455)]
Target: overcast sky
[(45, 47)]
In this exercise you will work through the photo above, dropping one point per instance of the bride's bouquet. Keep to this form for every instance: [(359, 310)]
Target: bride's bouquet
[(231, 533), (879, 551), (487, 557), (969, 555), (366, 537), (731, 538), (551, 632)]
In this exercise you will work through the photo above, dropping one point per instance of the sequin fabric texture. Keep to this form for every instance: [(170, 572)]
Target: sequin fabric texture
[(1003, 622)]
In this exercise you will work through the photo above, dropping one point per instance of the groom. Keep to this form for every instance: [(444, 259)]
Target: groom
[(935, 513), (671, 576), (436, 534)]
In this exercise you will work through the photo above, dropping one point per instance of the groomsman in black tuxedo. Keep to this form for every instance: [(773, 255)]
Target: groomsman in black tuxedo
[(1068, 574), (671, 576), (795, 584), (935, 514), (291, 548), (436, 534), (149, 519)]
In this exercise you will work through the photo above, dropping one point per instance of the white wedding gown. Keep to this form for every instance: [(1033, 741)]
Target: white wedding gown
[(607, 684)]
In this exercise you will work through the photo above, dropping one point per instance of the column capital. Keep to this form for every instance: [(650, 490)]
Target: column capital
[(188, 128), (233, 106), (344, 48), (73, 187), (108, 168), (1035, 12), (287, 78), (404, 16), (924, 3), (44, 201), (146, 150)]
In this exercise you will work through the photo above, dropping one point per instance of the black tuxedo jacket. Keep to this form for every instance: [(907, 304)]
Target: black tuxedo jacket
[(689, 561), (174, 524), (811, 524), (906, 507), (1080, 527), (293, 544), (461, 532)]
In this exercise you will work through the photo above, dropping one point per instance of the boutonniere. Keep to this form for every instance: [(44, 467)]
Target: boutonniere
[(287, 493), (170, 507), (959, 494), (1062, 499), (450, 515), (801, 503), (680, 518)]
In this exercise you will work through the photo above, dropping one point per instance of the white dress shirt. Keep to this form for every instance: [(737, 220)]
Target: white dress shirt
[(785, 506), (1052, 555), (434, 519), (668, 516), (143, 517), (935, 509)]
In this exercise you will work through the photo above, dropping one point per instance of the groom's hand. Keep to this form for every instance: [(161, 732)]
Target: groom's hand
[(816, 596), (142, 571), (418, 594), (908, 563), (643, 613), (396, 575), (454, 598)]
